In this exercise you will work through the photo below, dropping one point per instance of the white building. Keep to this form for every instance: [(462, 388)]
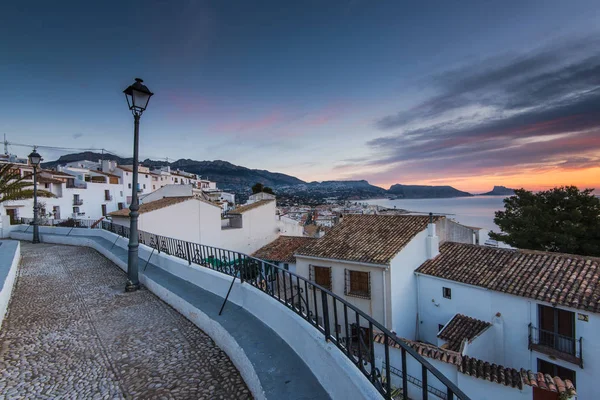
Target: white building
[(190, 218), (253, 198), (542, 309), (369, 260)]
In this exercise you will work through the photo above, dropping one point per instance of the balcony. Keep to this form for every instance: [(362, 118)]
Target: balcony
[(108, 197), (562, 347), (77, 202), (76, 185)]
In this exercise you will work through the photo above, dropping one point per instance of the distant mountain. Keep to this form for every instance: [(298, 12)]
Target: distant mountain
[(425, 192), (349, 190), (499, 191), (227, 175)]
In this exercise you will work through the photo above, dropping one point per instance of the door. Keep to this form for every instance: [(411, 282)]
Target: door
[(104, 210), (12, 214), (56, 212), (541, 394)]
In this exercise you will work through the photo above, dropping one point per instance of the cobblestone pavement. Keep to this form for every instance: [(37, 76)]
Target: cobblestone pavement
[(71, 332)]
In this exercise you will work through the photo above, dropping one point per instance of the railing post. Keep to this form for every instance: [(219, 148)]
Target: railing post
[(404, 376), (157, 244), (424, 380), (325, 315), (388, 376), (581, 352), (189, 257)]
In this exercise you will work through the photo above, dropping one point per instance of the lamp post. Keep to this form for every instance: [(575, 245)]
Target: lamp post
[(138, 96), (34, 160)]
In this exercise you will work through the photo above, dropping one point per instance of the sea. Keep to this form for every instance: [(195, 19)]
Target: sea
[(476, 211)]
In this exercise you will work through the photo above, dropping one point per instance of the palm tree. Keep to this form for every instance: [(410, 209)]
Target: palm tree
[(13, 186)]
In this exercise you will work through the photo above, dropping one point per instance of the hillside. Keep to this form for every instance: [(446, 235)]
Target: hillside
[(425, 192), (499, 191), (227, 175), (349, 190)]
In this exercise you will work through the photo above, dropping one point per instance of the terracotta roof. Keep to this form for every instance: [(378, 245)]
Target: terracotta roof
[(248, 207), (282, 249), (460, 328), (373, 239), (484, 370), (564, 279), (153, 205), (44, 179)]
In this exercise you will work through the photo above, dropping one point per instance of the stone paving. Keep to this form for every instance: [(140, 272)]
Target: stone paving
[(71, 332)]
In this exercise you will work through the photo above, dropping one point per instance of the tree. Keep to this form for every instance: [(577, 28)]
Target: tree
[(259, 187), (13, 186), (563, 219)]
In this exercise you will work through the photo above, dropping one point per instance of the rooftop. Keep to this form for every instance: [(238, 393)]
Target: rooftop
[(461, 328), (252, 206), (153, 205), (562, 279), (372, 239), (282, 249), (491, 372)]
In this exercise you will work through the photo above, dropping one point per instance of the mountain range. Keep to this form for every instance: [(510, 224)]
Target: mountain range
[(240, 179)]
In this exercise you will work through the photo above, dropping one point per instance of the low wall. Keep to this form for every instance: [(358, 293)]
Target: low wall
[(334, 371), (10, 255)]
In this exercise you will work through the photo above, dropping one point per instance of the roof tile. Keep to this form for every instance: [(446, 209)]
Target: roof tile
[(282, 249), (565, 279), (460, 328)]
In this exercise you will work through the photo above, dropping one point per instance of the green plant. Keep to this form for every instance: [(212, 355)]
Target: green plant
[(13, 186)]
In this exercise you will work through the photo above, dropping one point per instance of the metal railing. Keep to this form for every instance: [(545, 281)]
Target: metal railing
[(108, 197), (417, 382), (330, 314), (565, 347), (77, 202)]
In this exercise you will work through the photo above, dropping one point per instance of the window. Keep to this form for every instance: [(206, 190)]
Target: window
[(447, 292), (176, 180), (286, 266), (104, 210), (121, 193), (129, 186), (153, 187), (546, 367), (127, 173), (557, 329), (46, 185), (121, 206), (144, 186), (75, 210), (358, 283), (146, 176), (321, 276)]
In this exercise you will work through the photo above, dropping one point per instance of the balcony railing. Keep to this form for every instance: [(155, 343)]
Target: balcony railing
[(77, 202), (331, 315), (108, 197), (76, 185), (69, 223), (564, 347)]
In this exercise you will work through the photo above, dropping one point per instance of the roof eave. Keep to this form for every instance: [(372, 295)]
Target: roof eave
[(385, 266)]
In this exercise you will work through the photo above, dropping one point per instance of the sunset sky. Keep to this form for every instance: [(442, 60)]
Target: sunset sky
[(470, 94)]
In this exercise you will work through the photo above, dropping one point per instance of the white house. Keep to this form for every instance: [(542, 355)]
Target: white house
[(173, 191), (253, 198), (540, 310), (194, 219), (369, 260)]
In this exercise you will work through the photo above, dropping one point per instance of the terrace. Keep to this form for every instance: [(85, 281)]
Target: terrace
[(269, 325)]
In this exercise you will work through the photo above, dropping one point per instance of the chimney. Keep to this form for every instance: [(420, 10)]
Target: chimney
[(433, 242)]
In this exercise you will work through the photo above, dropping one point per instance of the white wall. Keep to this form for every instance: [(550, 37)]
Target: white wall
[(259, 228), (373, 306), (10, 256), (404, 287), (289, 227), (510, 329)]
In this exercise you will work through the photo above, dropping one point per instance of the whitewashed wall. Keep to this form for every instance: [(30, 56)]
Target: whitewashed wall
[(259, 228), (510, 330)]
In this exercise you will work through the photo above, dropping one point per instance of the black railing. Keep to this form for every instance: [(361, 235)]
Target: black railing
[(327, 312), (77, 202), (417, 382), (565, 347)]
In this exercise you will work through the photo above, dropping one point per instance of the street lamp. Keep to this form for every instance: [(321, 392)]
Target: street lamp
[(34, 160), (138, 96)]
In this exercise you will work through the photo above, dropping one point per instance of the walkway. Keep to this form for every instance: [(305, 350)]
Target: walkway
[(72, 332)]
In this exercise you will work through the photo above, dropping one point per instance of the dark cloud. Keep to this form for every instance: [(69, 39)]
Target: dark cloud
[(77, 135), (496, 113)]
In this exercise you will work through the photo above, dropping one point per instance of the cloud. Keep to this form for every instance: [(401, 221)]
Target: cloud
[(538, 110), (77, 135)]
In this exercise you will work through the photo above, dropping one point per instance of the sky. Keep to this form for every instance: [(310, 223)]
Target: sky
[(470, 94)]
